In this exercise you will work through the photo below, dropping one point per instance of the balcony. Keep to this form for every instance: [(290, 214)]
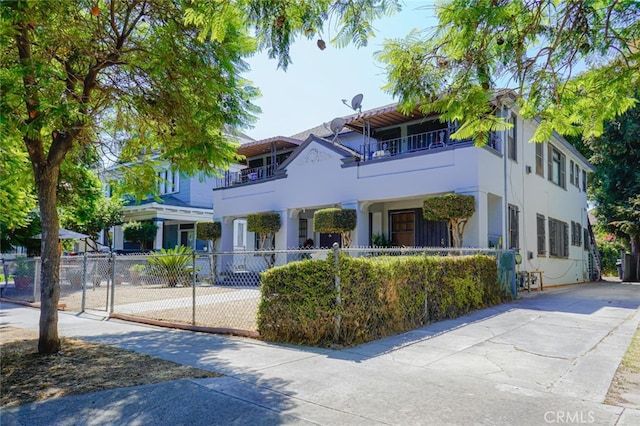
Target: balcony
[(418, 142), (245, 176)]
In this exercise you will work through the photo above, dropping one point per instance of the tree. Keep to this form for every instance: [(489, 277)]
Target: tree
[(455, 209), (210, 232), (265, 224), (615, 184), (153, 80), (140, 232), (334, 220), (573, 64)]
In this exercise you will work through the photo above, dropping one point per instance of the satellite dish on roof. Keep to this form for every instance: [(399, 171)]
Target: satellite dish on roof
[(356, 102), (336, 126)]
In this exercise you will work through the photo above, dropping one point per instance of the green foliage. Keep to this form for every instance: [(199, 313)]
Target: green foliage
[(455, 209), (24, 268), (539, 47), (380, 296), (277, 24), (615, 183), (449, 206), (139, 232), (22, 236), (379, 240), (173, 264), (263, 222), (209, 231), (298, 303), (17, 196), (138, 267), (609, 254), (335, 220)]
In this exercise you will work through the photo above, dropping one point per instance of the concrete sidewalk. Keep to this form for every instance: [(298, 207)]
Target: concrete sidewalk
[(545, 359)]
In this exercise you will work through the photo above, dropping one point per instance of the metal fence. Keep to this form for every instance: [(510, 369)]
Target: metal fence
[(218, 290)]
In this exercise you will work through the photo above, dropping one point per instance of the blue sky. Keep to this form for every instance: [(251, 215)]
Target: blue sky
[(310, 92)]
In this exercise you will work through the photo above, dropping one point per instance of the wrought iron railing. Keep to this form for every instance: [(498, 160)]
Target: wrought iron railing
[(419, 142)]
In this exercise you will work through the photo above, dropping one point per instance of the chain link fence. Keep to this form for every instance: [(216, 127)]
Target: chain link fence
[(215, 290)]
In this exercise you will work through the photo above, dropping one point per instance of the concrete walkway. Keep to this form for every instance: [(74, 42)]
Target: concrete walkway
[(547, 358)]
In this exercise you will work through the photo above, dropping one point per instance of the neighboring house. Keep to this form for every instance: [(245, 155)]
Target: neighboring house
[(183, 201), (530, 197)]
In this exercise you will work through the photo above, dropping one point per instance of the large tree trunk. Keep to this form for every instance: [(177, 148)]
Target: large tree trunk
[(47, 181)]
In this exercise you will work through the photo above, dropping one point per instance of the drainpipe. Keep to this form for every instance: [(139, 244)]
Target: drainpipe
[(505, 218)]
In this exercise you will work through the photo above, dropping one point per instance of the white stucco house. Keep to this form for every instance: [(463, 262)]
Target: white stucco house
[(531, 197)]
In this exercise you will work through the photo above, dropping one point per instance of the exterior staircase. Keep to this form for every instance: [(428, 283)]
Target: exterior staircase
[(595, 262)]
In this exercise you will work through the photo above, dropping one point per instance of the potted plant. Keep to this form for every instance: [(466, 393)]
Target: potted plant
[(23, 274), (135, 272), (75, 278)]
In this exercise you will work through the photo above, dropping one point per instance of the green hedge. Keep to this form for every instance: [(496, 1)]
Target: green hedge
[(379, 296)]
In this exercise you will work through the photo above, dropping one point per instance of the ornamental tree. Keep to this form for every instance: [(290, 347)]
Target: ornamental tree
[(265, 224), (334, 220), (210, 232), (572, 64), (455, 209), (147, 80)]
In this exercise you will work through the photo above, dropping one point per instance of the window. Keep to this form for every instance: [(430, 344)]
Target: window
[(514, 237), (558, 238), (168, 182), (540, 159), (512, 141), (577, 177), (268, 242), (586, 239), (584, 180), (576, 234), (557, 163), (402, 228), (302, 232), (571, 174), (542, 239)]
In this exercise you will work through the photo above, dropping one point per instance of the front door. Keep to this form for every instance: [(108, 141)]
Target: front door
[(327, 240)]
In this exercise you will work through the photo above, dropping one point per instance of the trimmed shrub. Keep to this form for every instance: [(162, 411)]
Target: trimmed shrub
[(334, 220), (455, 209), (298, 303), (380, 296), (208, 231)]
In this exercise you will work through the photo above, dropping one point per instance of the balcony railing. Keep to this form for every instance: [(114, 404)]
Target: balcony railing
[(417, 142), (248, 175)]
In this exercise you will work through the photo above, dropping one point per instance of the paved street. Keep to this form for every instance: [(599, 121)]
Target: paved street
[(547, 358)]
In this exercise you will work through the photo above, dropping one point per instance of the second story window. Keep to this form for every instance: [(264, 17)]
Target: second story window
[(584, 180), (540, 159), (512, 140), (557, 164), (168, 182)]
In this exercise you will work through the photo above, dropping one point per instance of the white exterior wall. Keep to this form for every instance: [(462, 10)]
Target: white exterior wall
[(317, 178)]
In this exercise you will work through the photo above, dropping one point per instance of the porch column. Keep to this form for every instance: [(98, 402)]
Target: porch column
[(287, 236), (226, 238), (118, 238), (360, 236), (476, 233), (157, 243)]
